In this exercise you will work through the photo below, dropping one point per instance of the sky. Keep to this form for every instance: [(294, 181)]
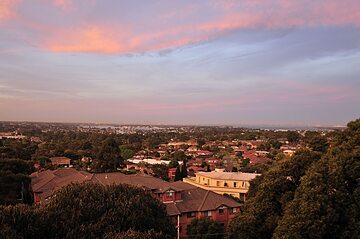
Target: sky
[(202, 62)]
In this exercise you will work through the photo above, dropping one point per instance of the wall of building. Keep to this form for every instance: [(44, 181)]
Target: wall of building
[(219, 186)]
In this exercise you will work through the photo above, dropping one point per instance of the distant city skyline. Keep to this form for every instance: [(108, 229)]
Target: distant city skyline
[(250, 62)]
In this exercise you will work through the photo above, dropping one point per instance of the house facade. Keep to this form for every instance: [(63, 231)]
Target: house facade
[(233, 183)]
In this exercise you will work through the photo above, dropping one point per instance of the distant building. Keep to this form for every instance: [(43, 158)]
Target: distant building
[(289, 152), (11, 135), (183, 202), (149, 161), (60, 161), (235, 184)]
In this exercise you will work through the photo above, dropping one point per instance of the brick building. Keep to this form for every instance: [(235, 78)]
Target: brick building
[(183, 202)]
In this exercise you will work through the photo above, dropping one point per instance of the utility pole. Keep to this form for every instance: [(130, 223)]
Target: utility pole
[(178, 226)]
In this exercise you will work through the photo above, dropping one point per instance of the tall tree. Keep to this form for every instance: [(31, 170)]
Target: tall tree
[(328, 196), (178, 175), (108, 158), (184, 172), (268, 196)]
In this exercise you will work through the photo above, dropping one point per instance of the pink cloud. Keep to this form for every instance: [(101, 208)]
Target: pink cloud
[(230, 15), (63, 4), (7, 9), (90, 39)]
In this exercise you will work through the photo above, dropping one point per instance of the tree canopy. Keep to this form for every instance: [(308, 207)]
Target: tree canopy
[(205, 228), (89, 211), (311, 195)]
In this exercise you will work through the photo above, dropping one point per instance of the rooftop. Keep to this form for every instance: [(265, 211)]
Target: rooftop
[(228, 175)]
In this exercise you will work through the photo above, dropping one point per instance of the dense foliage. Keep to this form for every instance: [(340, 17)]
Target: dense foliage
[(89, 211), (14, 181), (309, 196), (205, 228)]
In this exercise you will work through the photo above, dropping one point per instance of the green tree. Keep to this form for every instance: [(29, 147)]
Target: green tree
[(268, 196), (293, 136), (179, 155), (178, 176), (316, 141), (17, 166), (161, 171), (328, 196), (108, 158), (173, 163), (184, 172), (127, 153), (89, 211), (205, 228)]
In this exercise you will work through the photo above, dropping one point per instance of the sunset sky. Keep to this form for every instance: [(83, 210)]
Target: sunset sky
[(180, 62)]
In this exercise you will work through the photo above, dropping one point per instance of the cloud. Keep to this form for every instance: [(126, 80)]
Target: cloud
[(90, 39), (169, 25), (7, 9), (63, 4)]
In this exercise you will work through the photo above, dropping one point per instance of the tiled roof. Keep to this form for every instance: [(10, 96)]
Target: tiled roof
[(47, 182), (145, 181), (60, 160), (192, 198), (197, 199), (229, 175)]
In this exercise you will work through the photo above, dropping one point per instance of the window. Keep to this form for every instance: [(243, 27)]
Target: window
[(243, 184), (242, 197), (190, 214), (207, 214), (235, 184), (221, 210), (218, 183), (232, 210), (225, 184), (169, 194)]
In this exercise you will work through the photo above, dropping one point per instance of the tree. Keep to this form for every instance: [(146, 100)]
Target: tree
[(275, 144), (16, 166), (161, 171), (328, 195), (316, 141), (293, 136), (205, 228), (268, 196), (179, 155), (178, 176), (200, 142), (108, 158), (173, 163), (127, 153), (131, 234), (184, 172), (310, 195), (90, 211)]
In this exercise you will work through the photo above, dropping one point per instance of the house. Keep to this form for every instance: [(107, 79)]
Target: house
[(45, 183), (171, 173), (60, 161), (183, 201), (289, 152), (204, 154), (149, 161), (233, 183), (194, 169)]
